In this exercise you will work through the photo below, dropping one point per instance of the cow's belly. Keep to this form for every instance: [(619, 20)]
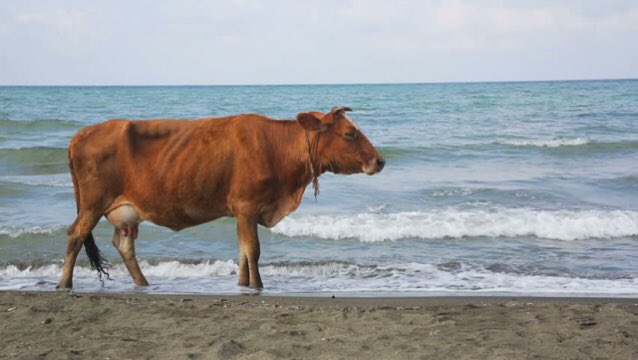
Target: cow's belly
[(125, 213)]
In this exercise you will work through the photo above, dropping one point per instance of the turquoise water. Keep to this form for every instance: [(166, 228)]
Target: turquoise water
[(490, 188)]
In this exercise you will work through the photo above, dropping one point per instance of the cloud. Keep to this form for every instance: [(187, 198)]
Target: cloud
[(286, 41), (71, 21), (467, 26), (60, 28)]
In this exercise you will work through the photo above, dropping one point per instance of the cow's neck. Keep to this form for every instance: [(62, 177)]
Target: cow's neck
[(300, 157), (312, 143), (290, 157)]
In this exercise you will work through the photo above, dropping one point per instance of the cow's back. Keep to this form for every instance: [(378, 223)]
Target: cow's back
[(174, 172)]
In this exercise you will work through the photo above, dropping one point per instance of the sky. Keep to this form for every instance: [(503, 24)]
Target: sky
[(86, 42)]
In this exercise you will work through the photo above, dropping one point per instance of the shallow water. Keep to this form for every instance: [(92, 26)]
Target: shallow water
[(490, 188)]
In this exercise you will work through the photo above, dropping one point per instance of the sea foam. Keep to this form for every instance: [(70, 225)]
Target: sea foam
[(552, 143), (14, 231), (219, 276), (451, 223)]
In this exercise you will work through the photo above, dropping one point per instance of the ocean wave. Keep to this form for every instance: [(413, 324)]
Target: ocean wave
[(609, 114), (57, 124), (15, 232), (171, 268), (220, 276), (452, 192), (34, 160), (52, 180), (451, 223), (579, 145), (34, 155), (391, 152), (622, 182), (177, 268), (551, 143)]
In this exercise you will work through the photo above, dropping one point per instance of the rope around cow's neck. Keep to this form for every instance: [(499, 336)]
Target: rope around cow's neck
[(311, 160)]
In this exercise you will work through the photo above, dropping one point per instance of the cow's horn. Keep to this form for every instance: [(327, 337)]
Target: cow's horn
[(340, 108)]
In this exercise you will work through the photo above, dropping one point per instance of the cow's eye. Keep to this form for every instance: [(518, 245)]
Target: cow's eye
[(351, 135)]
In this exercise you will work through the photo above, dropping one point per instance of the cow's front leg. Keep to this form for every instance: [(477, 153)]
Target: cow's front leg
[(248, 242), (243, 267)]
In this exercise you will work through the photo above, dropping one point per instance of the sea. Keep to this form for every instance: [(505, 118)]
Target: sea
[(490, 189)]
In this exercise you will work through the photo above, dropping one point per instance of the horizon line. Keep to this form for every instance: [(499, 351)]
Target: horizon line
[(321, 84)]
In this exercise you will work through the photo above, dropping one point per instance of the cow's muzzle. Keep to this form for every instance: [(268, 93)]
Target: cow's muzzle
[(375, 166)]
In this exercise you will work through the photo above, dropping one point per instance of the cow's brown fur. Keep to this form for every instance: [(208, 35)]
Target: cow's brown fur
[(181, 173)]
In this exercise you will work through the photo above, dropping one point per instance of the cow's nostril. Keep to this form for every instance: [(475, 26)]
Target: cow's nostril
[(380, 162)]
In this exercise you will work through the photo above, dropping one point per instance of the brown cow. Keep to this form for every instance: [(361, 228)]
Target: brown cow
[(181, 173)]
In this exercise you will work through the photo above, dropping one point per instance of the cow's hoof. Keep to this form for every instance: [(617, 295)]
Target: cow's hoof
[(141, 282), (245, 290)]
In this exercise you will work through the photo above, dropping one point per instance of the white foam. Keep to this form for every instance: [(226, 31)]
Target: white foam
[(207, 268), (220, 277), (14, 232), (372, 227), (47, 270), (166, 268), (552, 143), (175, 268), (452, 192)]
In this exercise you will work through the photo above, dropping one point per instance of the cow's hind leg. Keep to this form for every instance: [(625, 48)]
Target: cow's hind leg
[(124, 241), (78, 233)]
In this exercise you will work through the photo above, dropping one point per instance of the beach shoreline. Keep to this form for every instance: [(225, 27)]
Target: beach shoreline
[(129, 325)]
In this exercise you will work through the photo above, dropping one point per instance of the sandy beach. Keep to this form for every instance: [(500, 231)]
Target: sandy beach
[(52, 325)]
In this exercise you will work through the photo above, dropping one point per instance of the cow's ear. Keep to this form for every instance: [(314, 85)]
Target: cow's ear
[(311, 122)]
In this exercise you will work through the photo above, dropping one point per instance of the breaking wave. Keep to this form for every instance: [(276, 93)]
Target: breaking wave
[(14, 231), (580, 145), (219, 276), (554, 142), (371, 227)]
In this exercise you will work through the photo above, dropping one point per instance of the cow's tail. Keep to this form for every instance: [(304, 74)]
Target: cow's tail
[(96, 259)]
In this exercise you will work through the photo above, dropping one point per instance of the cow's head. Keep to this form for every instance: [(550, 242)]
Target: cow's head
[(338, 143)]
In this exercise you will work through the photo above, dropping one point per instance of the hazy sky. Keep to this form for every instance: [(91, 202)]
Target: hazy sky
[(274, 42)]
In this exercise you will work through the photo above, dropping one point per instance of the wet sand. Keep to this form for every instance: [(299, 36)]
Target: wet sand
[(53, 325)]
